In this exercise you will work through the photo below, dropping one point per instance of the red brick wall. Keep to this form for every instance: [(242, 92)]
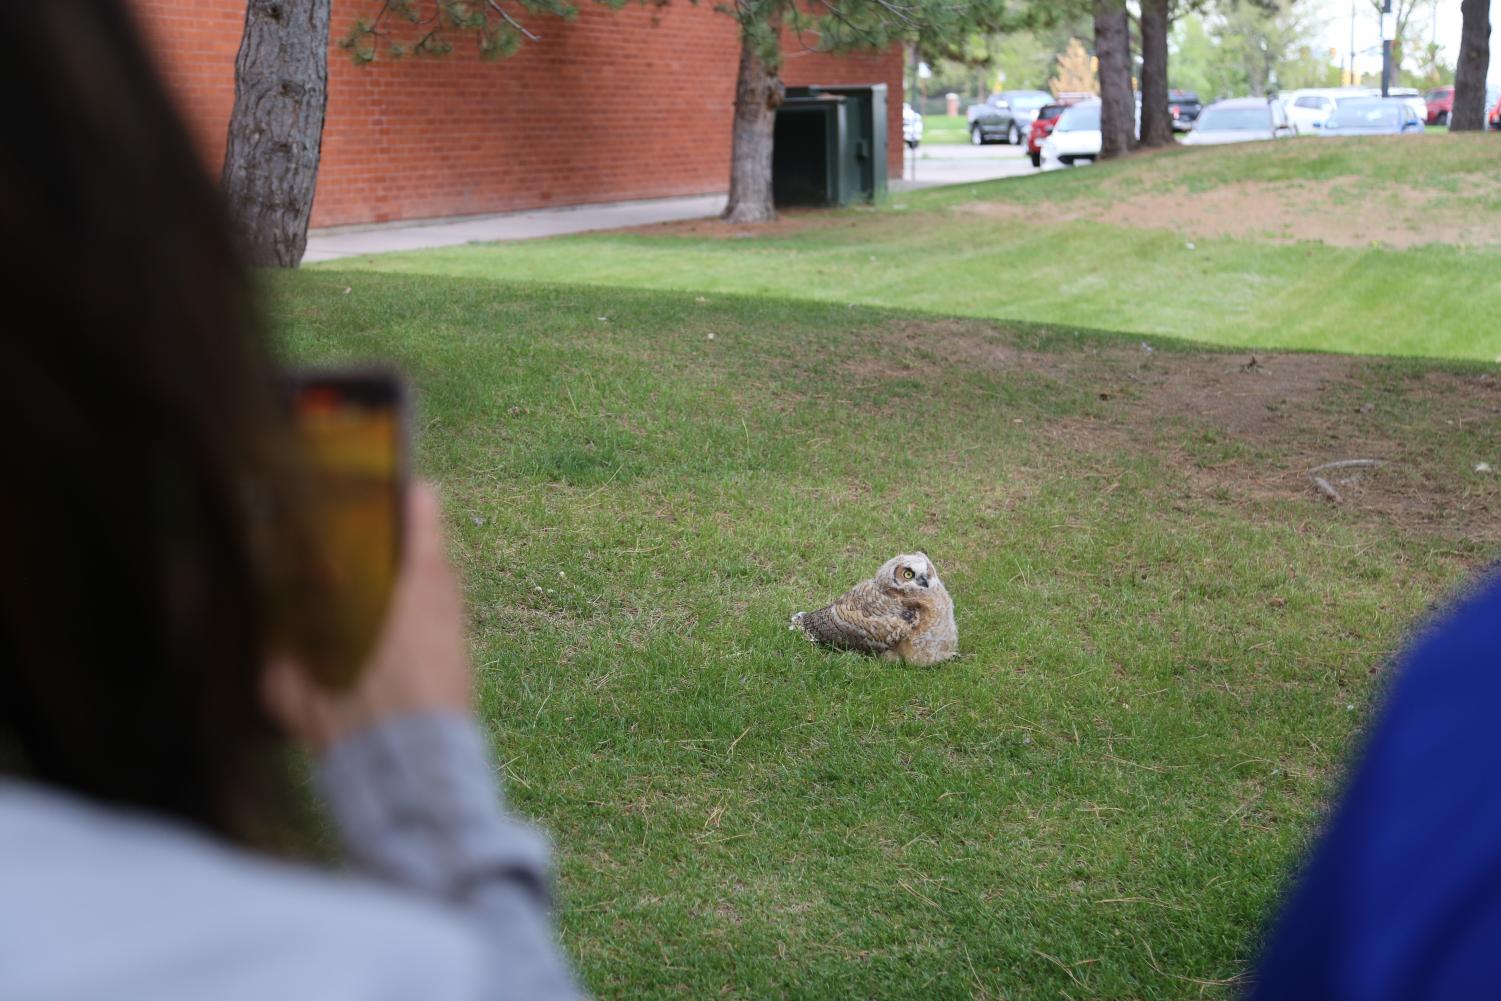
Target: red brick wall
[(610, 107)]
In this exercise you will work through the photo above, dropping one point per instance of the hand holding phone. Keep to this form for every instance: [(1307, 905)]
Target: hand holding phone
[(350, 435), (420, 663)]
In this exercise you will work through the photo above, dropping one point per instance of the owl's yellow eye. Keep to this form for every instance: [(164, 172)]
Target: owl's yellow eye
[(908, 574)]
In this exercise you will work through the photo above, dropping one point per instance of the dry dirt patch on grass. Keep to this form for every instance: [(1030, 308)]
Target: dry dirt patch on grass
[(1340, 212), (1252, 425)]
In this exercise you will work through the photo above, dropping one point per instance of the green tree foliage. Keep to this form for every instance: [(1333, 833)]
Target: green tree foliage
[(1309, 66), (1025, 59), (1015, 60), (399, 28), (1434, 68), (1196, 65), (1026, 53), (1246, 49)]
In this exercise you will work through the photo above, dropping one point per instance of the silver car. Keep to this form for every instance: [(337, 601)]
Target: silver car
[(1374, 116), (1239, 120)]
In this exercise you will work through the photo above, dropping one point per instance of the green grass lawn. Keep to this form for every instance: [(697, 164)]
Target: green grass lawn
[(1168, 641), (1375, 246), (938, 129)]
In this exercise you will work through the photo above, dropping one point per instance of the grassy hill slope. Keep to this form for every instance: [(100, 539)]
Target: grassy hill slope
[(1385, 246)]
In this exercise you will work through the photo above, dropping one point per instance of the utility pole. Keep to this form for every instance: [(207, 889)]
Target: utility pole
[(1388, 31)]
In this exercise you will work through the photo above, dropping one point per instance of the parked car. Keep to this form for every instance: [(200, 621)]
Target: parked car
[(1005, 117), (1374, 116), (1307, 109), (1075, 137), (1493, 99), (1413, 98), (1440, 101), (1239, 120), (1042, 127), (1185, 107), (911, 126)]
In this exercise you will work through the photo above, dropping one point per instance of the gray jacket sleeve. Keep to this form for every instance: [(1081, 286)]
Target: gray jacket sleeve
[(417, 805)]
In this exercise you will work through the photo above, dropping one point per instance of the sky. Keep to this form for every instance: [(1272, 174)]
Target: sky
[(1444, 14)]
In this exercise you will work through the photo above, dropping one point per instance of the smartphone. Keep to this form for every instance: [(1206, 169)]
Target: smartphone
[(350, 435)]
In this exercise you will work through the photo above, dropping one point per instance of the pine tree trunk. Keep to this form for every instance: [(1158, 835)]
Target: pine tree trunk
[(276, 127), (1156, 118), (758, 92), (1112, 47), (1469, 110)]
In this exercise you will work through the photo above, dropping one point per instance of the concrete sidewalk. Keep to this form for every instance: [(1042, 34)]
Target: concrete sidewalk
[(354, 241), (932, 166)]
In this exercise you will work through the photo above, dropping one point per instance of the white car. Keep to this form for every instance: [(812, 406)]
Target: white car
[(911, 126), (1239, 120), (1413, 98), (1307, 109), (1075, 139)]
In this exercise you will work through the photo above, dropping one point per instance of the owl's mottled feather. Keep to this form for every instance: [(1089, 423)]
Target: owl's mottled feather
[(865, 618), (903, 613)]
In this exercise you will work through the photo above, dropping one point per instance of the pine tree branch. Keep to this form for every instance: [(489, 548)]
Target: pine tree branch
[(512, 21)]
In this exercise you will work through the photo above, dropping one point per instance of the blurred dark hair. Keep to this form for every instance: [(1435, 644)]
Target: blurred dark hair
[(143, 562)]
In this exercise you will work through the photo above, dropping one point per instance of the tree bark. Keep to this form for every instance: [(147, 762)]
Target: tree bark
[(758, 92), (1156, 118), (1112, 47), (1469, 110), (276, 127), (1257, 74)]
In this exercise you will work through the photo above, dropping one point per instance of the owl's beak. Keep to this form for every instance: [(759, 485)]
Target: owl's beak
[(922, 580)]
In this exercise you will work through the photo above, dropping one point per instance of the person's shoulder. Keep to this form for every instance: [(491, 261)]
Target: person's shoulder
[(1474, 618), (1456, 658), (155, 895), (1402, 898)]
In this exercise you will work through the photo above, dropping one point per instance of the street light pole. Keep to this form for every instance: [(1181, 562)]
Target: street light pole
[(1387, 31)]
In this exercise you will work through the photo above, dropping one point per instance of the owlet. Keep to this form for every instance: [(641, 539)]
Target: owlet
[(902, 613)]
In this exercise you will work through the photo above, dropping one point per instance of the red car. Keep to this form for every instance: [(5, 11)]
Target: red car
[(1440, 102), (1441, 105), (1042, 127)]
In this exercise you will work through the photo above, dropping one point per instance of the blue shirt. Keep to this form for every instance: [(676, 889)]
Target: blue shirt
[(1402, 898)]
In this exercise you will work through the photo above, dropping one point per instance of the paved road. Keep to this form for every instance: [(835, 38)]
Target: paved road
[(956, 164)]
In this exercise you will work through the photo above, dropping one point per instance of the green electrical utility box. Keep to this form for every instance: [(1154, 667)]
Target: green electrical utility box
[(866, 133), (829, 145), (809, 152)]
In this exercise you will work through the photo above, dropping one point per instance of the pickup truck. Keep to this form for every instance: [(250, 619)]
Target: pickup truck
[(1185, 107), (1005, 116)]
